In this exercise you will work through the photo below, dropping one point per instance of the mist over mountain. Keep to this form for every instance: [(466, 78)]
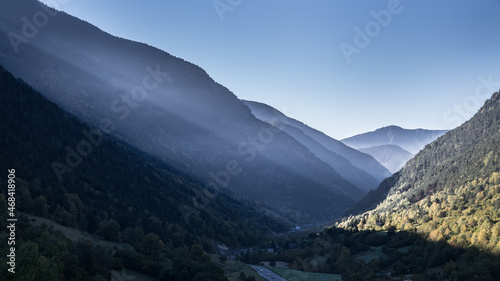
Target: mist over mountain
[(410, 140), (117, 193), (168, 108), (391, 156), (358, 168), (393, 146)]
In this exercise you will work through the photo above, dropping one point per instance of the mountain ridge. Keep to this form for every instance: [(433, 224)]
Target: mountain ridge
[(173, 111), (411, 140), (118, 193), (354, 166), (391, 156)]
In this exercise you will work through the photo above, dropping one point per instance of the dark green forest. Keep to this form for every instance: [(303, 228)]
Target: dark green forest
[(115, 192), (389, 255)]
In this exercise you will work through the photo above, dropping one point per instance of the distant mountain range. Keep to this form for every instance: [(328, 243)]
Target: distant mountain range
[(359, 168), (410, 140), (391, 156), (393, 146)]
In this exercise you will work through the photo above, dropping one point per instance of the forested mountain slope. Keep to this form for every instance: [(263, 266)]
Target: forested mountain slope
[(112, 190), (411, 140), (450, 190), (436, 219)]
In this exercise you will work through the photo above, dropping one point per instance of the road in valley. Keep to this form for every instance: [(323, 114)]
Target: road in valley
[(267, 273)]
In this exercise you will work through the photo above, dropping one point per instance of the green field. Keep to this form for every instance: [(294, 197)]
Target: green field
[(372, 254), (295, 275)]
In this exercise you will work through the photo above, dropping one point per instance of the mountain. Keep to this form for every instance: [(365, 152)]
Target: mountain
[(448, 191), (168, 108), (358, 168), (393, 146), (391, 156), (115, 192), (410, 140)]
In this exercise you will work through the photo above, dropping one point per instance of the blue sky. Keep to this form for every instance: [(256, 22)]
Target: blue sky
[(343, 67)]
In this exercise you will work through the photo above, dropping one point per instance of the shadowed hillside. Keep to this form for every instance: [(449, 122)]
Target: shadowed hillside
[(115, 192)]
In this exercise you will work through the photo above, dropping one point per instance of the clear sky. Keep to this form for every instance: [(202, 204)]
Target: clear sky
[(343, 67)]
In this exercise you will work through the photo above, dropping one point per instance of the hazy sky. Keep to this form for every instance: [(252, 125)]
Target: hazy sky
[(343, 67)]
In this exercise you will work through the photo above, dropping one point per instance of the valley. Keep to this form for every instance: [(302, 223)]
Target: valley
[(135, 164)]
